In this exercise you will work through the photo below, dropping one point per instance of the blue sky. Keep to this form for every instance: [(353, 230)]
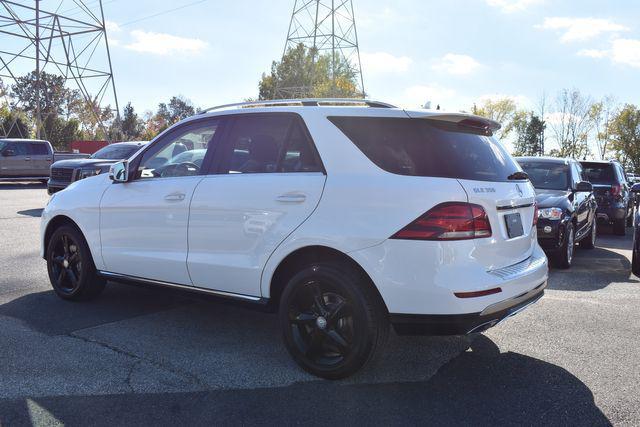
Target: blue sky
[(450, 52)]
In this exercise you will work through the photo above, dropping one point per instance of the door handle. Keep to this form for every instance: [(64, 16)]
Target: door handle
[(174, 197), (291, 198)]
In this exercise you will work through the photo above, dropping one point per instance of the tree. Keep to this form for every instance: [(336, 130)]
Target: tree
[(14, 124), (602, 114), (130, 125), (501, 110), (303, 73), (572, 122), (624, 131), (61, 132), (53, 94), (530, 132)]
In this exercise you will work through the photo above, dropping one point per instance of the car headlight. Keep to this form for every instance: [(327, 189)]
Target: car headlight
[(550, 213), (86, 173)]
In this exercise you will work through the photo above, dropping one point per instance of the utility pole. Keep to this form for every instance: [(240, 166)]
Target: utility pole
[(70, 41), (324, 27)]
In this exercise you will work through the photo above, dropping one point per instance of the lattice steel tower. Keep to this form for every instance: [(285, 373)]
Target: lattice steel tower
[(326, 26), (68, 39)]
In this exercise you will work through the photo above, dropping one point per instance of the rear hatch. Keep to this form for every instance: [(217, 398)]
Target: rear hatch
[(468, 152), (603, 178)]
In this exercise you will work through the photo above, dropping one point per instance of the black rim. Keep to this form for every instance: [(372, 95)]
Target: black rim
[(322, 324), (66, 265)]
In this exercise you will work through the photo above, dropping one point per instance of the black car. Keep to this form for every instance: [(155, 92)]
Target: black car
[(635, 259), (566, 206), (65, 172), (613, 193)]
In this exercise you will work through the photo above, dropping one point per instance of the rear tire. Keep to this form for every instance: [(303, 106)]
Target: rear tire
[(71, 269), (630, 219), (589, 241), (619, 227), (332, 322), (564, 256)]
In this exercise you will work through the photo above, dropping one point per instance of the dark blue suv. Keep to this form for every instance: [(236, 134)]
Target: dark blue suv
[(613, 193)]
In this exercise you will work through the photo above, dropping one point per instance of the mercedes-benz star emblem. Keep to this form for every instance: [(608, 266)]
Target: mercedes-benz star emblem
[(519, 190)]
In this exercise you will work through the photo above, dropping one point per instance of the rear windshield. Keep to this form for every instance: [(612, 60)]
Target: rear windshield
[(419, 147), (599, 173), (547, 175)]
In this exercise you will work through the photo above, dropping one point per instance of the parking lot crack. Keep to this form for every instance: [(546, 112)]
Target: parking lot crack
[(138, 360)]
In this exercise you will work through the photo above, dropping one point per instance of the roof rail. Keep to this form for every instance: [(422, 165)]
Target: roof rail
[(305, 102)]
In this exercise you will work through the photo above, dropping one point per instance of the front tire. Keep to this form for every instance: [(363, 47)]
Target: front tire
[(589, 241), (565, 254), (333, 323), (71, 269)]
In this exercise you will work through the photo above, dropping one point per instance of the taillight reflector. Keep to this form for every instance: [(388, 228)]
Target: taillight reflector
[(477, 294), (448, 221)]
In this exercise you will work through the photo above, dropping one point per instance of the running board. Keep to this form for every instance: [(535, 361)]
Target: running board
[(139, 280)]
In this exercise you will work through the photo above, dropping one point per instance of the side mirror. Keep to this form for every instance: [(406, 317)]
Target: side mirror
[(635, 188), (8, 153), (119, 172), (584, 186)]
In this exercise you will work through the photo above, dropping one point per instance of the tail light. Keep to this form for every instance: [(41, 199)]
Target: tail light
[(448, 221), (535, 214), (616, 190)]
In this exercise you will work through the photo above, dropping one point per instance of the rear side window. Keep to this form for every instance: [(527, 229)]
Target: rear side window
[(38, 149), (419, 147), (599, 173), (269, 144)]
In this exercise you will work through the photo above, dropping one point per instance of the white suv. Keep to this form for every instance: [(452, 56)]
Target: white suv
[(346, 216)]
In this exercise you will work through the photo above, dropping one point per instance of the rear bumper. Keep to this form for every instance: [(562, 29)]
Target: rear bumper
[(462, 324), (611, 213)]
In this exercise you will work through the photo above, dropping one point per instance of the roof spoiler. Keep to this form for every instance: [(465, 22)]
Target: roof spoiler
[(467, 120)]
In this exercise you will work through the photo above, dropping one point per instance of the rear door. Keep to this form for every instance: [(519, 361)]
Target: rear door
[(41, 158), (267, 180)]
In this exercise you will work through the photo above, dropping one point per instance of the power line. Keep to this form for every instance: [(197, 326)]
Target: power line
[(144, 18)]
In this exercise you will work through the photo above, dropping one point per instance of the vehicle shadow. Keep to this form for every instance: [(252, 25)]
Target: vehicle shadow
[(480, 387), (27, 185), (593, 269), (36, 213)]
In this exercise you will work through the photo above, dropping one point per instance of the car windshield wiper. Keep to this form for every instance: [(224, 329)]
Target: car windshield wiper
[(518, 176)]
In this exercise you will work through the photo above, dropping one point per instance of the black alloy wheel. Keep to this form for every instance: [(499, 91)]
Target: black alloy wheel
[(70, 267), (332, 323)]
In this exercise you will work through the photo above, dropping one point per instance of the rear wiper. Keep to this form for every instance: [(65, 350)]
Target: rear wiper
[(518, 176)]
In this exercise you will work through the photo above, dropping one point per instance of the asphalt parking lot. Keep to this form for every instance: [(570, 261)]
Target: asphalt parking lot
[(157, 357)]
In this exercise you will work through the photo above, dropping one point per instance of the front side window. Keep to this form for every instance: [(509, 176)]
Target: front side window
[(179, 153), (18, 149), (269, 144), (422, 147)]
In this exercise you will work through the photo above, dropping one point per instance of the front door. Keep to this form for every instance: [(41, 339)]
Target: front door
[(143, 223), (16, 161), (268, 182)]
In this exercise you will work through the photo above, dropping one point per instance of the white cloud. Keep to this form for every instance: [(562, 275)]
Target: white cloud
[(418, 96), (520, 100), (593, 53), (626, 51), (581, 29), (383, 62), (509, 6), (459, 65), (164, 44), (112, 27)]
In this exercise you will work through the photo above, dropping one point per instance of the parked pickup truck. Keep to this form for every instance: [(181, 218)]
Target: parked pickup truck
[(29, 159)]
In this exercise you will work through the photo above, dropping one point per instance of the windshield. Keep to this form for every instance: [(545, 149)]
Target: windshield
[(547, 175), (115, 152), (419, 147), (599, 173)]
